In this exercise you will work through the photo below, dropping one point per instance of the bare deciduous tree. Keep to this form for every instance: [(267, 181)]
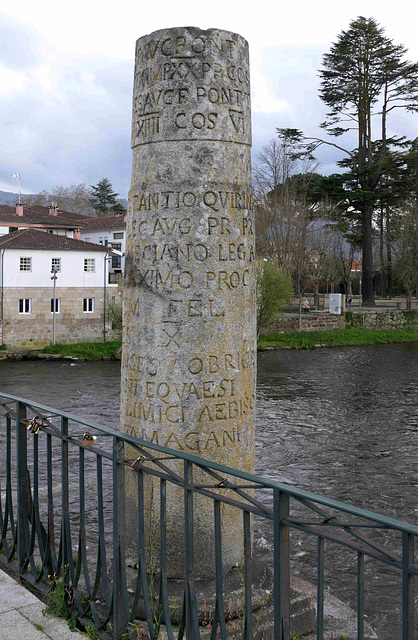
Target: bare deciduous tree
[(75, 198), (406, 251)]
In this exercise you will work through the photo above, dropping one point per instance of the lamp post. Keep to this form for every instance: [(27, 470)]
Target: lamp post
[(54, 277), (107, 257)]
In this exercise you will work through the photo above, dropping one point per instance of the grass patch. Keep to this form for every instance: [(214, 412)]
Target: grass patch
[(337, 337), (297, 340), (85, 350)]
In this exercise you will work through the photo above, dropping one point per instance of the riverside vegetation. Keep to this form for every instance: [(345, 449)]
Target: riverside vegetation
[(336, 338), (297, 340)]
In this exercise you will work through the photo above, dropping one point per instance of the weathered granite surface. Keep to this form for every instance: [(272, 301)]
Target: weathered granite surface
[(188, 366)]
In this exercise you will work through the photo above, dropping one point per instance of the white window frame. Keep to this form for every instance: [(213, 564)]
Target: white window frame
[(25, 306), (89, 265), (118, 235), (56, 262), (25, 263), (88, 305), (57, 305)]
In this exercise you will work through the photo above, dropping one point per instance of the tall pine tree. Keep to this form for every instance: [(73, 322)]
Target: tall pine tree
[(363, 80), (104, 200)]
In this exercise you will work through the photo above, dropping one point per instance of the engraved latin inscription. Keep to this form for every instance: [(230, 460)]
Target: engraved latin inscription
[(190, 87), (189, 353)]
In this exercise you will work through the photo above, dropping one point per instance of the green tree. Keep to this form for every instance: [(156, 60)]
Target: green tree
[(364, 78), (104, 199), (274, 290)]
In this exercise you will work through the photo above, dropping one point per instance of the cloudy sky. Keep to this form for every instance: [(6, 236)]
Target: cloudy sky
[(66, 74)]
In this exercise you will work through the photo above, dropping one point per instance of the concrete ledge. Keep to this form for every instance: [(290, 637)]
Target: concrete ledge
[(22, 615)]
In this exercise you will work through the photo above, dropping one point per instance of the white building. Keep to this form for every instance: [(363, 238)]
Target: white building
[(108, 231), (27, 259)]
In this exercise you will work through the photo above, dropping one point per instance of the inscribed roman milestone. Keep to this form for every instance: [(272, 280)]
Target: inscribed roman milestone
[(188, 369)]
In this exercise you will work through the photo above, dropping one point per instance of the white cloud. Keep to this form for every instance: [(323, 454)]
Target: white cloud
[(11, 81), (67, 71)]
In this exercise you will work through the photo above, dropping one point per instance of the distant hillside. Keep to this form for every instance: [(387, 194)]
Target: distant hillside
[(6, 197)]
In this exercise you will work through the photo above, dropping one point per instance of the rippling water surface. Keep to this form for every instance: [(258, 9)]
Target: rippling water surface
[(342, 422)]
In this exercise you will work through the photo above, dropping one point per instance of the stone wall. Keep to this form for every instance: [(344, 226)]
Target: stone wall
[(310, 322), (35, 329), (383, 319), (361, 319)]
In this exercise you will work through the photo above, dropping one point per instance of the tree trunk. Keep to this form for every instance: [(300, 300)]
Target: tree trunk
[(367, 242), (389, 267), (381, 255)]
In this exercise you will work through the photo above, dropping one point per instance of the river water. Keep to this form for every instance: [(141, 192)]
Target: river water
[(342, 422)]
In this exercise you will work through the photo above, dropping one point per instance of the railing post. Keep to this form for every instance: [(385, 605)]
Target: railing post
[(65, 505), (407, 587), (192, 624), (248, 621), (22, 498), (320, 591), (281, 567), (360, 596), (119, 619)]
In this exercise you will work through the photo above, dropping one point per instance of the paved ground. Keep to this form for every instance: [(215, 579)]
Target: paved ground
[(22, 615)]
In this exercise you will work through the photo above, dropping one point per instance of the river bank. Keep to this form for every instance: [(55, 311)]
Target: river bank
[(335, 338), (91, 351), (88, 351)]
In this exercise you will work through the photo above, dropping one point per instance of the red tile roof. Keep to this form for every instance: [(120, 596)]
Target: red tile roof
[(34, 239), (107, 222), (37, 215)]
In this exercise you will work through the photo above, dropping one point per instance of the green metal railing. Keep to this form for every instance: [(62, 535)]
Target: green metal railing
[(63, 516)]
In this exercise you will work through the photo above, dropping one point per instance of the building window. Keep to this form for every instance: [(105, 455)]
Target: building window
[(57, 305), (56, 265), (89, 264), (88, 305), (13, 229), (116, 260), (26, 264), (25, 305), (118, 235)]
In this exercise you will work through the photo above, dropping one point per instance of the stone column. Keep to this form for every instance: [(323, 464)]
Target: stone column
[(188, 367)]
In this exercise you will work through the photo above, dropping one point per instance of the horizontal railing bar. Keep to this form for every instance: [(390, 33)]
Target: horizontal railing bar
[(349, 544), (204, 492), (334, 522), (340, 524), (81, 434), (228, 484), (232, 487), (387, 521), (141, 459)]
